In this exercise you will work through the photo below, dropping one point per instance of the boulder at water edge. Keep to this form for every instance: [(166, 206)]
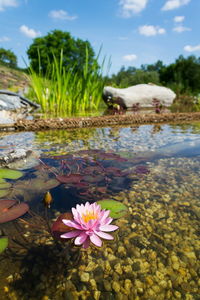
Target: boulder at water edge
[(143, 94), (14, 106)]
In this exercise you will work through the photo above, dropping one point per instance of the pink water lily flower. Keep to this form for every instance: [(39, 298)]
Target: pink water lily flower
[(90, 223)]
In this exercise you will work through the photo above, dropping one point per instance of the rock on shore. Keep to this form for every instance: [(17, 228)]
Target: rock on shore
[(143, 94)]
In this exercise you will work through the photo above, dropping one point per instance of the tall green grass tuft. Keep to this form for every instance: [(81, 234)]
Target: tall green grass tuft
[(66, 92)]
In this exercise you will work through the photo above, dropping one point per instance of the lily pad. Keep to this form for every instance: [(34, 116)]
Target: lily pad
[(5, 185), (59, 227), (11, 210), (117, 209), (3, 243), (10, 174), (3, 193)]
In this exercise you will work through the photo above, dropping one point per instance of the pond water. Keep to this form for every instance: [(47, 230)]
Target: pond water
[(152, 169)]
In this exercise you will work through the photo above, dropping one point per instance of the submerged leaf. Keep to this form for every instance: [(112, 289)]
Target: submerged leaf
[(3, 243), (11, 210), (37, 184), (10, 174), (117, 209)]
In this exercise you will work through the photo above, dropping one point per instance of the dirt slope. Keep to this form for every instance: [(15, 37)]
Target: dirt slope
[(11, 79)]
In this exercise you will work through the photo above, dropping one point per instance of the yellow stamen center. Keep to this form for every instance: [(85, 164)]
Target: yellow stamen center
[(89, 216)]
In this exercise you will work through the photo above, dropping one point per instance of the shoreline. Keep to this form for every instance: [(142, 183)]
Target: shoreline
[(100, 121)]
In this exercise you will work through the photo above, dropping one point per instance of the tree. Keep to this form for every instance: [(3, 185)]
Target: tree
[(184, 73), (43, 49), (7, 57), (133, 76)]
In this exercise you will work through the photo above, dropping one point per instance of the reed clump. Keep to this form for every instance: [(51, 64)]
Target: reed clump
[(64, 92)]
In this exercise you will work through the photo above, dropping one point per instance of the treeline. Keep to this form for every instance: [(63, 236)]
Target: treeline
[(182, 76)]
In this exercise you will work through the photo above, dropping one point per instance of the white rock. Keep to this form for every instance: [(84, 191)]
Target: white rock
[(144, 94)]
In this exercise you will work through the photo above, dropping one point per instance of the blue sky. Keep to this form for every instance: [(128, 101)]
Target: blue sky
[(132, 32)]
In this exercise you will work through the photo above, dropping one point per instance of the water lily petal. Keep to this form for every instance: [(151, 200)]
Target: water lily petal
[(71, 224), (95, 240), (106, 221), (104, 235), (108, 227), (104, 215), (80, 239), (70, 234)]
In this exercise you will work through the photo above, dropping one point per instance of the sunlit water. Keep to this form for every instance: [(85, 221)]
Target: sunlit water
[(155, 253)]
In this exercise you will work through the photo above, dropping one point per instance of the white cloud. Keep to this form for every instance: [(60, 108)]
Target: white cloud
[(150, 30), (173, 4), (131, 7), (181, 28), (190, 48), (4, 39), (61, 15), (29, 32), (7, 3), (179, 19), (129, 57)]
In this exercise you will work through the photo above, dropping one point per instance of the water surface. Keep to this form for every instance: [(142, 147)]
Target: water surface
[(155, 254)]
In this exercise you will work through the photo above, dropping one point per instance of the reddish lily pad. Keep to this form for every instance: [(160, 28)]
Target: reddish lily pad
[(72, 178), (59, 227), (11, 210)]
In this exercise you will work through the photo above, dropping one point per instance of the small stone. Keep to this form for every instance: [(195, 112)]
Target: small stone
[(127, 269), (93, 284), (149, 281), (84, 277), (174, 258), (177, 295), (111, 257), (128, 285), (118, 269), (156, 289), (107, 285), (116, 286), (176, 266), (121, 250), (190, 255), (138, 284), (153, 255), (163, 284), (97, 295), (90, 267), (133, 225), (107, 267)]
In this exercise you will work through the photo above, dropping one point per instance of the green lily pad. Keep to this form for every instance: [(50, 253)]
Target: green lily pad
[(3, 243), (5, 185), (10, 174), (117, 209), (4, 193)]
